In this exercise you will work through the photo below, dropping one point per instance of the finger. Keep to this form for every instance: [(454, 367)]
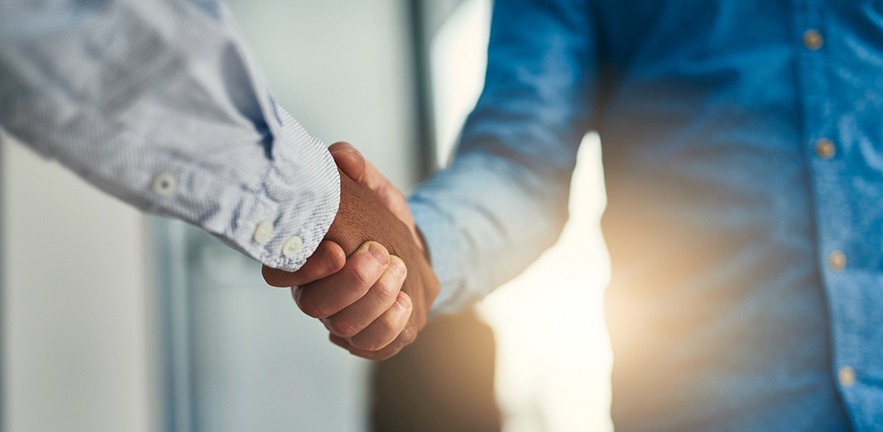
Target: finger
[(349, 159), (358, 316), (328, 259), (332, 294), (339, 341), (405, 337), (387, 352), (385, 329)]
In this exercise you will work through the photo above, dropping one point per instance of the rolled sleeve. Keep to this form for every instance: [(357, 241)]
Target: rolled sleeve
[(161, 105), (503, 200)]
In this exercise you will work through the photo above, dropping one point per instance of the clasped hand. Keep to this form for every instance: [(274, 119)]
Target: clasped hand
[(369, 282)]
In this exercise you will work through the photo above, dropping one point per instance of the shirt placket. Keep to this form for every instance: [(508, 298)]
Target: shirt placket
[(828, 154)]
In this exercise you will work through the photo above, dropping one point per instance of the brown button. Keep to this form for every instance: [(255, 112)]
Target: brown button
[(846, 376), (837, 260), (825, 148), (812, 39)]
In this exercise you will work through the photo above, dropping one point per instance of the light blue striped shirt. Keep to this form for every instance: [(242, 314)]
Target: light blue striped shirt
[(160, 104)]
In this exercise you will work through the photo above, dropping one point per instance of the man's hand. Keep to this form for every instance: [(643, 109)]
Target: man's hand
[(362, 300)]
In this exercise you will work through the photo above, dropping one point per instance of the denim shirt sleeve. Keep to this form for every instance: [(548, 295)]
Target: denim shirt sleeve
[(160, 104), (504, 198)]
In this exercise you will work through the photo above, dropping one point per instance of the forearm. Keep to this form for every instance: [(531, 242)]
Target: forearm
[(484, 223), (159, 104), (504, 198)]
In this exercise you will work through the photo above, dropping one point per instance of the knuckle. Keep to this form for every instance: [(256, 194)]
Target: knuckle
[(362, 343), (386, 330), (385, 290), (341, 327), (408, 335), (374, 342), (309, 309), (391, 350), (367, 345), (384, 355), (312, 307), (364, 274), (390, 325)]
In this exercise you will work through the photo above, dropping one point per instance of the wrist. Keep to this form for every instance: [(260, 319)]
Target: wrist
[(421, 242)]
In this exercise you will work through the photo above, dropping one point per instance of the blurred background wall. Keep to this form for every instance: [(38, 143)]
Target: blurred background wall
[(113, 321), (77, 334)]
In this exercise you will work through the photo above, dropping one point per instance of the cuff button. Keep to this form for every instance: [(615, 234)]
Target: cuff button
[(292, 247), (263, 232)]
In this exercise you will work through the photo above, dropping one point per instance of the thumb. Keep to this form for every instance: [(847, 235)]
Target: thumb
[(349, 160)]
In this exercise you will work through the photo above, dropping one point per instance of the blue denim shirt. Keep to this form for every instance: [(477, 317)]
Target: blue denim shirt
[(743, 156)]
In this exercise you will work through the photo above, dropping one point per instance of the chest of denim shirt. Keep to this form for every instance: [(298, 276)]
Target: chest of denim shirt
[(743, 152)]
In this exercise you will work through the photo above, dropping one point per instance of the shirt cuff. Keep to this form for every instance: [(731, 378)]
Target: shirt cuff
[(279, 220), (297, 204), (437, 230)]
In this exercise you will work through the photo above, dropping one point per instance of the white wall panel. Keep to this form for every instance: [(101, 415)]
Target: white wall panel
[(75, 312)]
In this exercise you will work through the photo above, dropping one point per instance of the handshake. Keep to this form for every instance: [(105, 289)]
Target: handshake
[(369, 282)]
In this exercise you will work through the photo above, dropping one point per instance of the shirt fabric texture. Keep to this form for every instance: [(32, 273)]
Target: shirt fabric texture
[(743, 156), (159, 103)]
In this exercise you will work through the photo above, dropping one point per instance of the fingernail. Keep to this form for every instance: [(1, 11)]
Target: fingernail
[(379, 252), (397, 265), (346, 150)]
